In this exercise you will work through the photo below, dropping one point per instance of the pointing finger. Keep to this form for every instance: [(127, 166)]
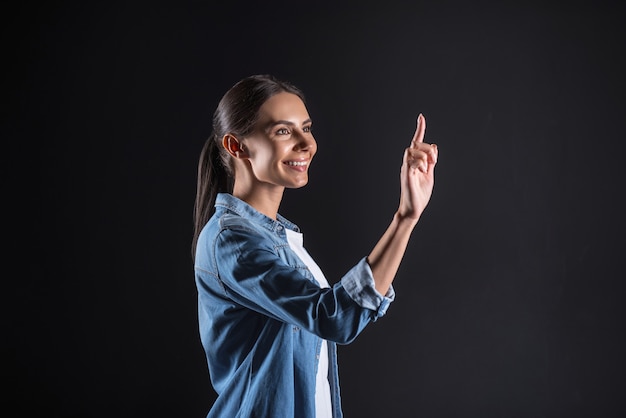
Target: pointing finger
[(419, 130)]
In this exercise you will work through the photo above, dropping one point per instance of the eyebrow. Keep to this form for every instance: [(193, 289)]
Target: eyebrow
[(286, 122)]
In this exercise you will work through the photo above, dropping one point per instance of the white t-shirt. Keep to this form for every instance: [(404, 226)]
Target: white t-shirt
[(323, 405)]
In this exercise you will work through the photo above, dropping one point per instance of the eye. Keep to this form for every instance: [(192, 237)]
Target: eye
[(282, 131), (307, 129)]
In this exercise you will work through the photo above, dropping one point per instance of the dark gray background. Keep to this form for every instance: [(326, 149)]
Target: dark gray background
[(510, 299)]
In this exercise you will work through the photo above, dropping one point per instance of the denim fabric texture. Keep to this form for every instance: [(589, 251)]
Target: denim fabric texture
[(262, 316)]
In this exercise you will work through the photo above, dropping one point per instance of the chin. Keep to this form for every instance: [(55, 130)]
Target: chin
[(299, 184)]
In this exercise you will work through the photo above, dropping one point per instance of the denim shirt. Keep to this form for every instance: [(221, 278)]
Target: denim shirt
[(262, 315)]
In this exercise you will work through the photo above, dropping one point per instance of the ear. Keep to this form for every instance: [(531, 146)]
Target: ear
[(233, 146)]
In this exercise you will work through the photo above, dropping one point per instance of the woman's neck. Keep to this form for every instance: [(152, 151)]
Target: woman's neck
[(264, 199)]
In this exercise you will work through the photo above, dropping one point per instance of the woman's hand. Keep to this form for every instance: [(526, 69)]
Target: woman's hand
[(417, 175)]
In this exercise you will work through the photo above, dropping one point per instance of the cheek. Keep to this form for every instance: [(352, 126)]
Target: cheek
[(261, 155), (266, 160), (282, 151)]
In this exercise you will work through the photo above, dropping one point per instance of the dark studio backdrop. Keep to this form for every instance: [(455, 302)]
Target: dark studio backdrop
[(510, 300)]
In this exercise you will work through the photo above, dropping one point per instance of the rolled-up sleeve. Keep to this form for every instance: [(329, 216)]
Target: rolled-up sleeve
[(360, 286)]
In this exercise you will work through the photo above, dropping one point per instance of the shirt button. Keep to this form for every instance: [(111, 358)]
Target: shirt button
[(280, 227)]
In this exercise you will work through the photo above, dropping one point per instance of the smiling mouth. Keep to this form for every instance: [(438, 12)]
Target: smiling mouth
[(296, 163)]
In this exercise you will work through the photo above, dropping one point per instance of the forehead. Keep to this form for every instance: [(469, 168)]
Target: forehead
[(284, 106)]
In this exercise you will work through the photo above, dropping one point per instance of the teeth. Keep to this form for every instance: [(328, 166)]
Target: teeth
[(296, 163)]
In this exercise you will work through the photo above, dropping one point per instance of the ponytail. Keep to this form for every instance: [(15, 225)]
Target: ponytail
[(213, 178)]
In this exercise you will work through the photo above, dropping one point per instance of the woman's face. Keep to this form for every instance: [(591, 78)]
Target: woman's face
[(281, 147)]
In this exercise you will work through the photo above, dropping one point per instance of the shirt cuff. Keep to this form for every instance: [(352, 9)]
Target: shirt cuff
[(359, 283)]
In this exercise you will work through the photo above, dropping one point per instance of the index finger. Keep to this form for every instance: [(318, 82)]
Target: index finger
[(419, 131)]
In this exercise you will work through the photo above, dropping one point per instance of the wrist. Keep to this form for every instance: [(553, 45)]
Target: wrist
[(405, 221)]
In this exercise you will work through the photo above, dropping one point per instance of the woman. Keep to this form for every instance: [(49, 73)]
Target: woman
[(269, 320)]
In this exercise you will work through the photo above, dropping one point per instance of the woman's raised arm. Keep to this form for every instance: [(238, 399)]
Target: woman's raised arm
[(417, 178)]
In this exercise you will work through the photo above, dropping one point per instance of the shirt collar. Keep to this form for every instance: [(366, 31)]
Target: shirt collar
[(244, 210)]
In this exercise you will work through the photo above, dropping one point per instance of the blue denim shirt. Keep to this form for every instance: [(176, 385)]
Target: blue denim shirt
[(262, 315)]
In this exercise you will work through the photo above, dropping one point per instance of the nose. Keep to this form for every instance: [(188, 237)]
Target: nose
[(305, 142)]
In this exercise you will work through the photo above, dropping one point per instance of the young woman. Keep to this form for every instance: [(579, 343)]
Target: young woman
[(269, 320)]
